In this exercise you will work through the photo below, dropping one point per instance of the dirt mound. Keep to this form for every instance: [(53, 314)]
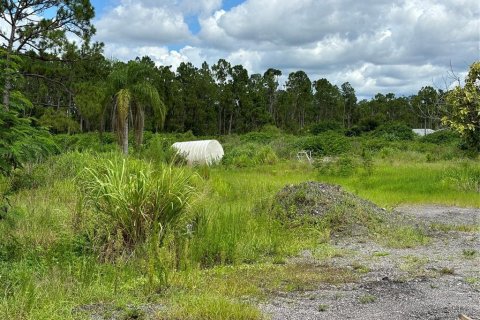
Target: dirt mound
[(314, 201)]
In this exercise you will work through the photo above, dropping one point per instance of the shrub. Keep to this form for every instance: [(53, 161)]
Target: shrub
[(91, 141), (327, 143), (441, 137), (324, 126), (135, 202), (342, 166), (159, 150), (394, 131), (259, 137), (249, 155)]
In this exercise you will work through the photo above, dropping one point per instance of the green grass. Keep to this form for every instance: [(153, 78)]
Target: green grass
[(225, 256), (392, 184)]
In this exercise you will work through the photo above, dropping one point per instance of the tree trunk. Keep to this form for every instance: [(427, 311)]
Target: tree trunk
[(125, 138), (139, 125)]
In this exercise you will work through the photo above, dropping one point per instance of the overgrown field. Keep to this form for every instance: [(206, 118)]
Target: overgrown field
[(88, 232)]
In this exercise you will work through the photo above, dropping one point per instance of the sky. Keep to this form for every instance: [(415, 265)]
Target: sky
[(378, 46)]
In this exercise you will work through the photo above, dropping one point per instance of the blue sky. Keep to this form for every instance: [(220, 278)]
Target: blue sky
[(378, 46)]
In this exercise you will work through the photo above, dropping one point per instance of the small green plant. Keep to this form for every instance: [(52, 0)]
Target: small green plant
[(322, 307), (469, 253), (367, 298)]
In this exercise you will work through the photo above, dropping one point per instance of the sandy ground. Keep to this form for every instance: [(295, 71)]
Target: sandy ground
[(438, 281)]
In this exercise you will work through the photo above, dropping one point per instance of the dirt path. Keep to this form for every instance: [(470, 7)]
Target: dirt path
[(436, 281)]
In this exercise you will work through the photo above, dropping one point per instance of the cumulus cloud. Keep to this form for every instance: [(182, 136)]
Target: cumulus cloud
[(378, 46)]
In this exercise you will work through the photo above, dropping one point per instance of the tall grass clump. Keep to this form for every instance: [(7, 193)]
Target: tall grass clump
[(134, 202)]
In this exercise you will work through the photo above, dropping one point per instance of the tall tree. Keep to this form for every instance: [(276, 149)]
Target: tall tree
[(326, 99), (425, 105), (221, 71), (349, 103), (299, 89), (28, 29), (270, 78)]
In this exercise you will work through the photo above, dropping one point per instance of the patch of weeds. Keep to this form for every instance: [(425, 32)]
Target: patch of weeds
[(469, 253), (360, 267), (443, 227), (404, 237), (367, 298), (380, 254), (210, 307), (260, 281), (322, 307), (472, 280), (326, 251), (413, 264), (447, 271), (134, 314)]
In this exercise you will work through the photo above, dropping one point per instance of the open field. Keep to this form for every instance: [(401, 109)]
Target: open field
[(229, 257)]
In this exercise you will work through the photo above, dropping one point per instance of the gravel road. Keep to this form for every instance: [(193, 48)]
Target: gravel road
[(437, 281)]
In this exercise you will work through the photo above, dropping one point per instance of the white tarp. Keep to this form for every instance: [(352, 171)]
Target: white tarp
[(200, 152)]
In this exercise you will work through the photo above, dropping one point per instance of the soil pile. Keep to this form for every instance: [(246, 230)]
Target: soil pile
[(315, 202)]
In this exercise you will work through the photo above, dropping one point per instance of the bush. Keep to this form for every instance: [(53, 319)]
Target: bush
[(327, 143), (259, 137), (324, 126), (160, 150), (394, 131), (441, 137), (249, 155), (135, 202), (343, 166), (91, 141)]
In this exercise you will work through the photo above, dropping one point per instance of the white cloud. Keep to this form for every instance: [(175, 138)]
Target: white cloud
[(378, 46)]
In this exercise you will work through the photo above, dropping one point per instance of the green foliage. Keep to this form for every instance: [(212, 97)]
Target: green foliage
[(344, 166), (394, 131), (464, 107), (249, 155), (20, 142), (259, 137), (58, 122), (441, 137), (135, 202), (327, 143), (324, 126), (86, 142)]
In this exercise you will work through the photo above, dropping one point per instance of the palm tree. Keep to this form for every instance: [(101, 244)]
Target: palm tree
[(132, 93)]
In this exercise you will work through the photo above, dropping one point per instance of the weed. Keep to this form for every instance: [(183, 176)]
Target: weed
[(367, 298), (469, 253), (447, 271), (322, 307), (381, 254)]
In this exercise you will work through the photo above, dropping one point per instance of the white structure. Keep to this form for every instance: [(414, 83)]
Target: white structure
[(200, 152), (423, 132)]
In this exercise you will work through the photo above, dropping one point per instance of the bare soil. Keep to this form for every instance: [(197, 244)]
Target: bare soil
[(437, 281)]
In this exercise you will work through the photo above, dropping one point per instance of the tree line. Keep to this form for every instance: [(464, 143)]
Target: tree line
[(74, 88)]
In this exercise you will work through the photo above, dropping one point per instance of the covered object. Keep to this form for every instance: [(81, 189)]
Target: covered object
[(200, 152)]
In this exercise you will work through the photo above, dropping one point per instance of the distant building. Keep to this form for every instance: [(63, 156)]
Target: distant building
[(423, 132)]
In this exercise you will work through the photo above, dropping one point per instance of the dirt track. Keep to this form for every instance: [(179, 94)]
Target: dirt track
[(436, 281)]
